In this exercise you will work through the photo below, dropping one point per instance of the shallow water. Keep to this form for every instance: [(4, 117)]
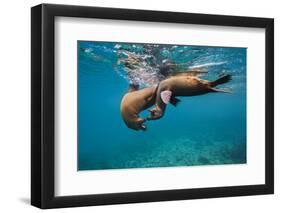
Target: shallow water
[(202, 130)]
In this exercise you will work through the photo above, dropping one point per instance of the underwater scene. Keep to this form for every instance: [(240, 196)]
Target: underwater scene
[(160, 105)]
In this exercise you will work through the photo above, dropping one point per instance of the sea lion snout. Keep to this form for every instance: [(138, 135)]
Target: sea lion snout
[(137, 124)]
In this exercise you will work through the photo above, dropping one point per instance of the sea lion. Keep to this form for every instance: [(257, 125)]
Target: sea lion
[(135, 101), (183, 85)]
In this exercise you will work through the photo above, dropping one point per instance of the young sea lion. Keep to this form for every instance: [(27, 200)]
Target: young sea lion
[(135, 101), (183, 85)]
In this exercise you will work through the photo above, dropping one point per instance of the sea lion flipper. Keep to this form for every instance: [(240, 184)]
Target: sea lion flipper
[(155, 113), (143, 127), (221, 80), (166, 96), (225, 90), (174, 101)]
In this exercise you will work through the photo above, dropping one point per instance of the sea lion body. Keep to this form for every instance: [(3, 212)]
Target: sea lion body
[(133, 103), (183, 85)]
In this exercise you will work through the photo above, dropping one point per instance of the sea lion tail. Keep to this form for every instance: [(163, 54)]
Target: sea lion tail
[(174, 101), (221, 80)]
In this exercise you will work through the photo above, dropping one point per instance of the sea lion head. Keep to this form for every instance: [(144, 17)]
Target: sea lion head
[(155, 113), (138, 124)]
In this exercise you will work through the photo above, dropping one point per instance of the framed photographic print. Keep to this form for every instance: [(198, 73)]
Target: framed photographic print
[(139, 106)]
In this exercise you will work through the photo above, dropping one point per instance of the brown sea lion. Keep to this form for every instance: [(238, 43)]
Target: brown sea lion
[(135, 101), (183, 85)]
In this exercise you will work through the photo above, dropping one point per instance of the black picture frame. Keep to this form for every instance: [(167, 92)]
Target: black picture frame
[(43, 101)]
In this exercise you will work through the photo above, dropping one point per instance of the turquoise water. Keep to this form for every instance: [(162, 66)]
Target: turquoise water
[(202, 130)]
